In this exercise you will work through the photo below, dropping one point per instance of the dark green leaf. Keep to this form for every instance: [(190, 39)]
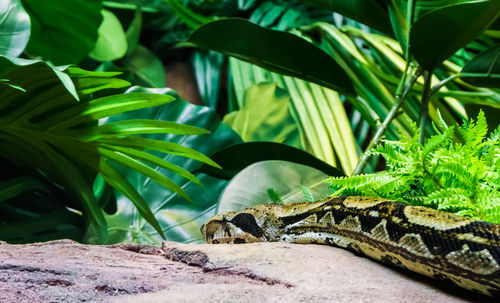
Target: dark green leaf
[(235, 158), (370, 12), (440, 33), (484, 69), (277, 51), (57, 224), (63, 32), (16, 186)]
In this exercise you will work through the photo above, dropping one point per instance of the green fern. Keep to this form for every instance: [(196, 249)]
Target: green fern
[(462, 178), (274, 195), (308, 196)]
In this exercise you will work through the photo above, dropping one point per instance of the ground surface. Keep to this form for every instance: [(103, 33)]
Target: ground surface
[(65, 271)]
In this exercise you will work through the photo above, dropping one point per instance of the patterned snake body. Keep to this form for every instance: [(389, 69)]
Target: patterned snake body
[(427, 241)]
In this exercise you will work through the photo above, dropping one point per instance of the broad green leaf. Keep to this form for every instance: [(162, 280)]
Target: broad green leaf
[(317, 111), (398, 12), (249, 187), (265, 116), (484, 69), (63, 32), (180, 220), (277, 51), (112, 41), (146, 66), (370, 12), (440, 33), (207, 66), (235, 158), (14, 26)]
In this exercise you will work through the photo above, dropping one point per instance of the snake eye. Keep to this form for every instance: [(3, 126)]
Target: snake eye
[(247, 223)]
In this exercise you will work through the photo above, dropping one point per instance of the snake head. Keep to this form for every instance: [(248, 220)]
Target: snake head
[(250, 225)]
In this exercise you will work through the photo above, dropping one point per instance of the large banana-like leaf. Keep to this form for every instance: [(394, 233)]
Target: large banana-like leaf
[(285, 178), (317, 111), (265, 116), (46, 129)]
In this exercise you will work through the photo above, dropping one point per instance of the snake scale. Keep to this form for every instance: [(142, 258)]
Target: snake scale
[(434, 243)]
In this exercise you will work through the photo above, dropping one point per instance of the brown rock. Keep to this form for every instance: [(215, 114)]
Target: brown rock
[(66, 271)]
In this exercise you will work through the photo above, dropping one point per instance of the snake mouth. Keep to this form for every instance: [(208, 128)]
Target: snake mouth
[(217, 232), (232, 228)]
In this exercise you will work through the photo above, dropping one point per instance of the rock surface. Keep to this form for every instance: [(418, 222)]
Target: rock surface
[(66, 271)]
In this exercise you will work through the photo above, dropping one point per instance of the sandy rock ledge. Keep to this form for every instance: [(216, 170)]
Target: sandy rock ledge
[(66, 271)]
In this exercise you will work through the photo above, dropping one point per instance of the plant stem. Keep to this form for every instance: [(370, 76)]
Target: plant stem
[(438, 86), (400, 97), (410, 15), (424, 106)]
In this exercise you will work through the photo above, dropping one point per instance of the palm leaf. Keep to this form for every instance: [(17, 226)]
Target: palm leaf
[(46, 129)]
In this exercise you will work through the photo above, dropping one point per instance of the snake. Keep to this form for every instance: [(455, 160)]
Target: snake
[(434, 243)]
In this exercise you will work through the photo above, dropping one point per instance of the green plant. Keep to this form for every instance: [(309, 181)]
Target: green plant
[(385, 75), (46, 131), (461, 177)]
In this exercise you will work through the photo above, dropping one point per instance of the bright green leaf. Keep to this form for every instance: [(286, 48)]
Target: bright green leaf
[(484, 69), (112, 42), (265, 116)]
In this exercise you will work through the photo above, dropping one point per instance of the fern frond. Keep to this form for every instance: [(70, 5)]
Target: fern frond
[(474, 132), (308, 196), (274, 195), (460, 178), (435, 142), (450, 199)]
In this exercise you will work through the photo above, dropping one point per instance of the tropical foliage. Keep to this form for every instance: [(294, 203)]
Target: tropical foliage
[(461, 177), (96, 147)]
